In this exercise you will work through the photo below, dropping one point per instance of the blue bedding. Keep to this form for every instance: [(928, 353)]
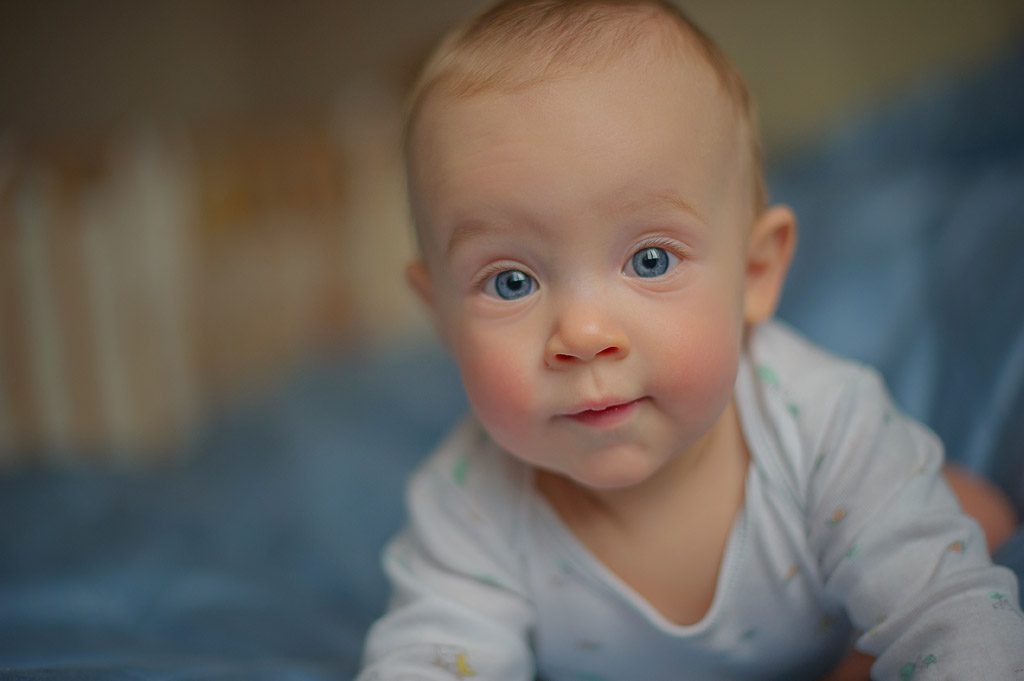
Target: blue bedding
[(258, 557)]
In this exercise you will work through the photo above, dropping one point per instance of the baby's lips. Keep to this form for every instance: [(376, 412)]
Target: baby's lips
[(605, 414)]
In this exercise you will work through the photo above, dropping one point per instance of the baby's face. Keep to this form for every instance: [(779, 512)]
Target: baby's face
[(585, 248)]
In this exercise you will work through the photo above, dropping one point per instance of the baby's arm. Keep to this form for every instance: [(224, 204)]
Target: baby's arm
[(895, 547), (458, 609), (979, 499)]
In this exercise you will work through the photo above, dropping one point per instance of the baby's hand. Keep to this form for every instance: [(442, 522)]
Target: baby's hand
[(855, 667)]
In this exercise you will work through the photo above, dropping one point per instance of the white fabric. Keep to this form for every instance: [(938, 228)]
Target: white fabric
[(847, 530)]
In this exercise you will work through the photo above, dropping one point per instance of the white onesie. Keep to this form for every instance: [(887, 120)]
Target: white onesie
[(847, 532)]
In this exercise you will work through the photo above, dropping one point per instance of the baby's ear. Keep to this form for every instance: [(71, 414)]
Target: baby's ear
[(418, 277), (769, 252)]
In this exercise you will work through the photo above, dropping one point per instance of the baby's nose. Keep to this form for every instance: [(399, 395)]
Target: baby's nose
[(584, 334)]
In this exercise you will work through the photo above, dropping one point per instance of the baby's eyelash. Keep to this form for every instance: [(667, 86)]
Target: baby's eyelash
[(670, 245), (480, 282)]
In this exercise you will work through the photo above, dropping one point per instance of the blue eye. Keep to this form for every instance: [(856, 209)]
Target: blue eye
[(511, 284), (651, 262)]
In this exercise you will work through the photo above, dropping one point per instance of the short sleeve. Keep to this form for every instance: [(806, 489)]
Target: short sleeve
[(458, 608)]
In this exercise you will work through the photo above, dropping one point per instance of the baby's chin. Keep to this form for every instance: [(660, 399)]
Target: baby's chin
[(620, 469)]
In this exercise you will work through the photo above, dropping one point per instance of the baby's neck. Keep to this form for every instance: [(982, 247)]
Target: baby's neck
[(665, 538)]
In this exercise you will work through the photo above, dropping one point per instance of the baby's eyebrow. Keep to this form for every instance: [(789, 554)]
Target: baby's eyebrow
[(470, 229), (464, 232), (668, 199)]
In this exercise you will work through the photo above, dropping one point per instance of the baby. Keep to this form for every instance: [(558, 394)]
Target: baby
[(657, 481)]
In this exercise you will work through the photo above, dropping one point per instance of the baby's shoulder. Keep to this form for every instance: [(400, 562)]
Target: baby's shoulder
[(812, 381), (799, 401), (468, 474)]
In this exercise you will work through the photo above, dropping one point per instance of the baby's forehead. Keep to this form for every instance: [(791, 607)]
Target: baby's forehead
[(643, 37), (684, 85), (681, 69), (513, 52), (570, 146)]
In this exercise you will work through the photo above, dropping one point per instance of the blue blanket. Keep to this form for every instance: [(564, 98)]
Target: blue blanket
[(258, 558)]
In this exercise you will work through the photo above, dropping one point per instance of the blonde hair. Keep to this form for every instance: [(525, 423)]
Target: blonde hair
[(517, 43)]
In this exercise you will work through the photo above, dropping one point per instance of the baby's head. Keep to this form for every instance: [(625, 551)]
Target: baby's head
[(585, 183), (530, 42)]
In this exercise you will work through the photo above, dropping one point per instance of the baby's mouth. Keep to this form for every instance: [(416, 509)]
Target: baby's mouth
[(605, 414)]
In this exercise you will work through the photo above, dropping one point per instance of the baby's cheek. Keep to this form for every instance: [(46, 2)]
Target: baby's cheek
[(701, 369), (500, 390)]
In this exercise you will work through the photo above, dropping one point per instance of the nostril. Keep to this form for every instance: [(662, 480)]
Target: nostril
[(565, 357)]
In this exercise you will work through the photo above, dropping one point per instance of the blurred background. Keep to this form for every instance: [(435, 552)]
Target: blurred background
[(198, 197)]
